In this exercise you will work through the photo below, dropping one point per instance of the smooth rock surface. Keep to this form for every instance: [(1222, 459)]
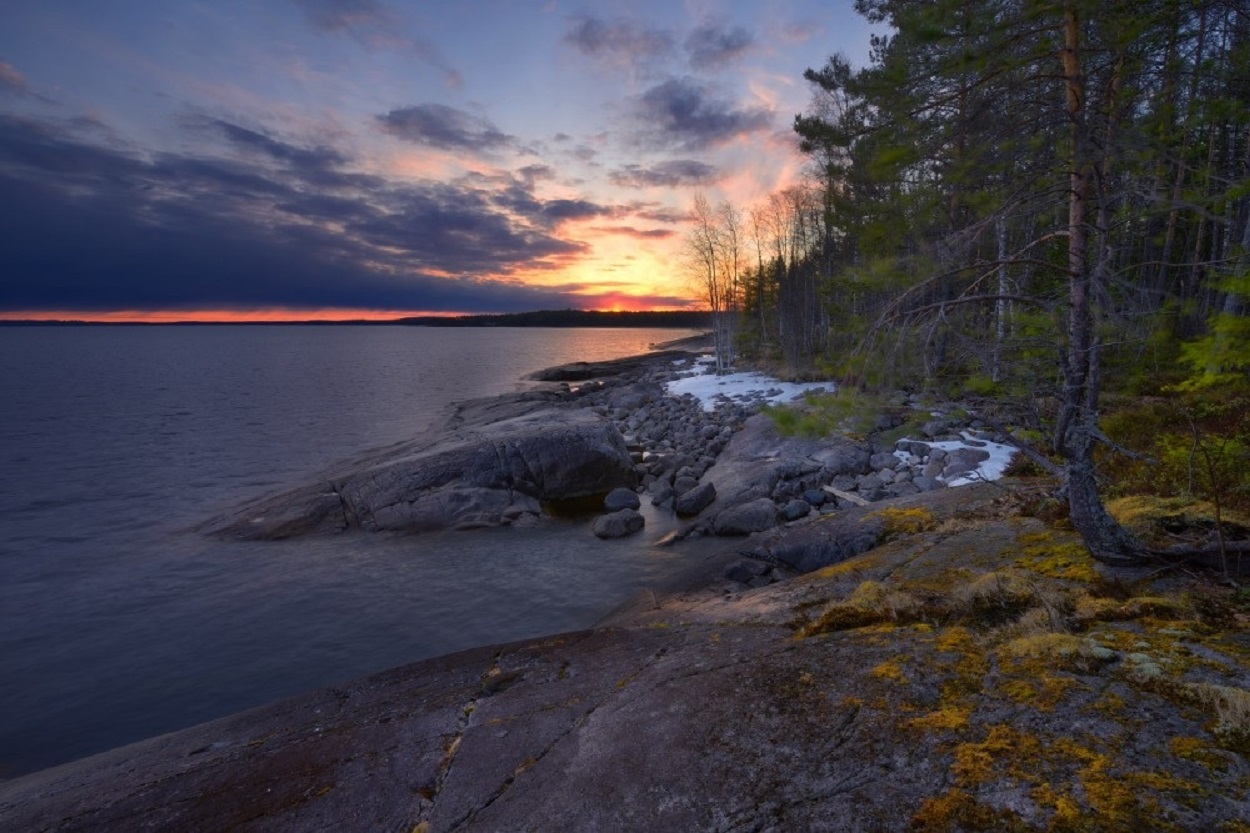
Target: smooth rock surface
[(497, 455)]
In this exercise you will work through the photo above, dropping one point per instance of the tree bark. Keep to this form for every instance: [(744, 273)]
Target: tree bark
[(1077, 430)]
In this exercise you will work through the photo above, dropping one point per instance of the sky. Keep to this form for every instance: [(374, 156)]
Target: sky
[(295, 159)]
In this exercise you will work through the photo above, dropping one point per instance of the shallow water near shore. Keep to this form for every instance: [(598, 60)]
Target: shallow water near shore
[(117, 624)]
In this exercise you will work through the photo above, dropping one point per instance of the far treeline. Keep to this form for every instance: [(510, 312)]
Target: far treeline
[(568, 318), (1040, 206)]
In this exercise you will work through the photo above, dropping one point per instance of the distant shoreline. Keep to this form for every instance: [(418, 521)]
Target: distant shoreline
[(541, 318)]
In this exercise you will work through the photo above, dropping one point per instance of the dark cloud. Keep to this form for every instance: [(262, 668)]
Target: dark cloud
[(621, 42), (301, 157), (440, 126), (670, 174), (681, 112), (90, 226), (713, 46)]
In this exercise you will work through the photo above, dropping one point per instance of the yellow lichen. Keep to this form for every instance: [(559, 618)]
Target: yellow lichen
[(870, 603), (1057, 555), (891, 669), (1062, 650), (1199, 751), (957, 809), (949, 718), (979, 762), (911, 521)]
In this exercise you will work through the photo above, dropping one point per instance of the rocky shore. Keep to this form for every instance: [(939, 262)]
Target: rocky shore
[(592, 433), (938, 659)]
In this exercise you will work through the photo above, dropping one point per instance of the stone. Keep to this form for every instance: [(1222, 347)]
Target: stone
[(816, 497), (746, 570), (621, 498), (963, 460), (662, 494), (843, 457), (868, 482), (618, 524), (684, 483), (796, 509), (753, 516), (695, 500), (883, 460), (503, 449), (926, 484)]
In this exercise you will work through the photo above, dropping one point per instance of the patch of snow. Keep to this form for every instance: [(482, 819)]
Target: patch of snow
[(708, 388), (990, 469)]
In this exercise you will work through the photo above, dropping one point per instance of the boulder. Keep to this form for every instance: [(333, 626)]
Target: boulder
[(796, 509), (497, 454), (963, 460), (618, 524), (695, 500), (843, 457), (883, 460), (743, 519), (621, 498), (816, 497)]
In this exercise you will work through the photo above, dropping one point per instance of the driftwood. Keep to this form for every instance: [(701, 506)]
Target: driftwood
[(847, 496)]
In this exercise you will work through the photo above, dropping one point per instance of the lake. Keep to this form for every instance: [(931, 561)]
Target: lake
[(117, 623)]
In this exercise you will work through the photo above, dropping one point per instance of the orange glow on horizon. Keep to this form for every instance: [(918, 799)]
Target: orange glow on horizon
[(611, 302)]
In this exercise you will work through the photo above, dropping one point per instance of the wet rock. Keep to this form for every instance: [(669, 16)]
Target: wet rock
[(618, 524), (621, 498)]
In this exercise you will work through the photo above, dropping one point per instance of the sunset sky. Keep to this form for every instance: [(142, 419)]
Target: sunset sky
[(365, 158)]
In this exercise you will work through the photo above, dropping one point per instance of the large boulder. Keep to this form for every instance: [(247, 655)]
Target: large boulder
[(478, 474)]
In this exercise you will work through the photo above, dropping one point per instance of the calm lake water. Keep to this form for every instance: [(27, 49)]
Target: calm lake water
[(116, 623)]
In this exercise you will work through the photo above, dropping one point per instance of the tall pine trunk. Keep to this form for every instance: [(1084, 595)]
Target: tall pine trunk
[(1077, 431)]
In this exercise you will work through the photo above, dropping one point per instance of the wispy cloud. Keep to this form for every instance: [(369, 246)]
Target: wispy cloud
[(12, 81), (685, 114), (672, 173), (443, 127), (377, 26), (641, 234)]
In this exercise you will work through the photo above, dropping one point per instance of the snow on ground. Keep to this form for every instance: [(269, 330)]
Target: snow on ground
[(707, 387), (991, 469)]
